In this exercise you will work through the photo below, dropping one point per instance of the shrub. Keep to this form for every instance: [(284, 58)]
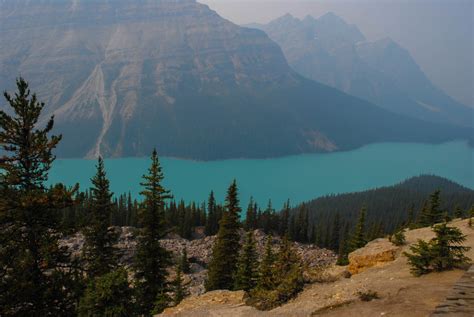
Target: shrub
[(398, 238), (368, 295)]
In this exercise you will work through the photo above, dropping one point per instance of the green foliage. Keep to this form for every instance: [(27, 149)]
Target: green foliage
[(284, 284), (107, 295), (431, 212), (246, 276), (99, 239), (33, 278), (443, 252), (184, 263), (459, 212), (225, 253), (398, 238), (151, 259), (358, 239), (178, 289), (266, 278)]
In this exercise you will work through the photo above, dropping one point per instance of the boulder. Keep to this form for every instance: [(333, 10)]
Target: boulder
[(375, 253)]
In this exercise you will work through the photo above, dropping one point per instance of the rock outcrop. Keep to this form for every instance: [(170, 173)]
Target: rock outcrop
[(375, 253), (199, 252)]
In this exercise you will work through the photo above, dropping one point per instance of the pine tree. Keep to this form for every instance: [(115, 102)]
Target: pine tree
[(223, 264), (444, 252), (34, 281), (458, 212), (184, 263), (151, 259), (448, 250), (246, 277), (431, 212), (410, 216), (288, 271), (178, 289), (107, 295), (285, 218), (336, 233), (266, 277), (98, 251), (358, 238), (212, 219), (250, 216)]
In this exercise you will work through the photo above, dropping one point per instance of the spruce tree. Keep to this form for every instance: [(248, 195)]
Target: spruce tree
[(36, 275), (458, 212), (284, 219), (99, 239), (184, 263), (212, 224), (359, 237), (178, 289), (107, 295), (151, 259), (225, 253), (336, 233), (246, 277), (266, 276), (250, 217)]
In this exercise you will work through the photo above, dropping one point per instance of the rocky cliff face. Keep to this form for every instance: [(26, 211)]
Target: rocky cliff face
[(125, 76), (335, 53)]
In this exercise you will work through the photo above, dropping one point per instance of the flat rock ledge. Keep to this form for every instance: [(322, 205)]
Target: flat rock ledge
[(460, 300)]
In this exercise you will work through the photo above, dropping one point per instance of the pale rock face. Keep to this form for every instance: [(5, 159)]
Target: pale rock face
[(376, 253)]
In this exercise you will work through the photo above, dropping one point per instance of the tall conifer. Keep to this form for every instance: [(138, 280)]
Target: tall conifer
[(152, 260), (99, 239), (246, 276), (225, 253)]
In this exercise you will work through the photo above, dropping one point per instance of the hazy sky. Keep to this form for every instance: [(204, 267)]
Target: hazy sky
[(438, 33)]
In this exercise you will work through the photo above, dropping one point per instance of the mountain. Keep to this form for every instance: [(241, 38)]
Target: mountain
[(389, 205), (337, 54), (123, 76)]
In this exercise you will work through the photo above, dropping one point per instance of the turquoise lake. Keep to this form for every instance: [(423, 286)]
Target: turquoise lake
[(299, 177)]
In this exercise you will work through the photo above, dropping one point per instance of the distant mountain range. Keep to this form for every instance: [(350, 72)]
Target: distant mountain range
[(124, 76), (335, 53)]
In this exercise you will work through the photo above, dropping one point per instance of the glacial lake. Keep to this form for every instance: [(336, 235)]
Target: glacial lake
[(299, 178)]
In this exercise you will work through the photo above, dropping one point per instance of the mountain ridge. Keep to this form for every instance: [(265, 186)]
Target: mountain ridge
[(123, 77), (331, 51)]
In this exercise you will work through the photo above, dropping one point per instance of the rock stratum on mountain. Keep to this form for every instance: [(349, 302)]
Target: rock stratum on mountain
[(124, 76), (335, 53)]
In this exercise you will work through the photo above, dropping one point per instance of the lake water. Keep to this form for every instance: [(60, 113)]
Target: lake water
[(299, 177)]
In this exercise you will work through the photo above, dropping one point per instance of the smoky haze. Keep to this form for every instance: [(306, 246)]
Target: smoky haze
[(438, 34)]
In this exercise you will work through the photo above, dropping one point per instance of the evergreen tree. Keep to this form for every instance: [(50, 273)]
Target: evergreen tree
[(444, 252), (212, 224), (358, 238), (98, 251), (178, 289), (285, 218), (151, 259), (410, 216), (36, 275), (107, 295), (246, 276), (336, 233), (458, 212), (288, 271), (184, 263), (250, 217), (431, 213), (266, 277), (225, 253)]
